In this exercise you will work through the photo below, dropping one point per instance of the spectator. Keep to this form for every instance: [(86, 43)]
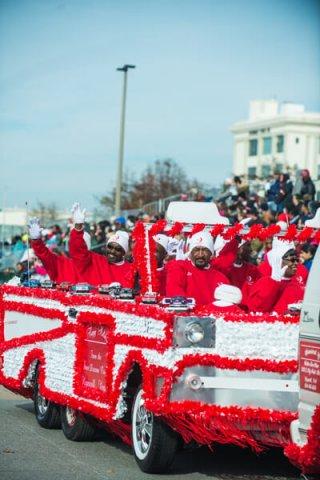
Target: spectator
[(307, 190), (307, 253)]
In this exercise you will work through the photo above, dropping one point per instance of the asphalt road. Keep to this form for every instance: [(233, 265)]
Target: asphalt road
[(28, 452)]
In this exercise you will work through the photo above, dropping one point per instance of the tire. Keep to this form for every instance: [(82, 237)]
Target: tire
[(76, 426), (47, 413), (154, 443)]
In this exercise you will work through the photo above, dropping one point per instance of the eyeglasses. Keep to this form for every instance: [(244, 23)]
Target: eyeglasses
[(291, 259)]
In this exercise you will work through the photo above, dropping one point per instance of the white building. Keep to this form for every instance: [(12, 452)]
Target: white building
[(276, 137)]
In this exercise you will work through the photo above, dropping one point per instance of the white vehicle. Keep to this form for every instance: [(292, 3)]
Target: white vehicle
[(161, 377), (309, 372)]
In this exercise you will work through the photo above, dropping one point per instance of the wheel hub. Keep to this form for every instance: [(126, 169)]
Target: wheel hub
[(144, 428), (70, 416), (43, 404)]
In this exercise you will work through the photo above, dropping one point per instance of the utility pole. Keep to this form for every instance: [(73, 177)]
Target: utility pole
[(123, 69)]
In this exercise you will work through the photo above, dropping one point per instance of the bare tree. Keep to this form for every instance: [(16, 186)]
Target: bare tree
[(162, 179), (47, 213)]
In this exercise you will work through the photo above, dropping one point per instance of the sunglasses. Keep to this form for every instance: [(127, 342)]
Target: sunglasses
[(291, 259)]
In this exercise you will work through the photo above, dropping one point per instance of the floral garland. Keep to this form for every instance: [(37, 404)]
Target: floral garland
[(203, 423), (144, 252), (307, 457), (257, 231), (229, 425), (251, 317)]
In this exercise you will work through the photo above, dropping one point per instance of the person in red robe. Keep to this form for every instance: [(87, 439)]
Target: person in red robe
[(284, 286), (59, 267), (95, 268), (195, 277)]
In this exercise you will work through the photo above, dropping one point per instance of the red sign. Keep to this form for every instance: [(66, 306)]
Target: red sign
[(310, 366), (95, 350)]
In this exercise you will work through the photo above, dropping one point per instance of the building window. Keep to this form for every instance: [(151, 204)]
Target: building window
[(278, 168), (280, 143), (252, 173), (267, 145), (265, 171), (297, 140), (253, 147)]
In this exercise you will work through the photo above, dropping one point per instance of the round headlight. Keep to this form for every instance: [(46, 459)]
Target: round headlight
[(194, 332)]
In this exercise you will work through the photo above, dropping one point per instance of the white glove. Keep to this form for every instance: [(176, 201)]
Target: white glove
[(78, 215), (181, 255), (172, 246), (34, 228), (278, 271)]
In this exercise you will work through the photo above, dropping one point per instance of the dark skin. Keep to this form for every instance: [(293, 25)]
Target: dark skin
[(161, 254), (115, 252), (244, 253), (291, 261), (200, 256)]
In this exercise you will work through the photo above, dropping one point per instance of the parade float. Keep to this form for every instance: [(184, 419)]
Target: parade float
[(161, 374)]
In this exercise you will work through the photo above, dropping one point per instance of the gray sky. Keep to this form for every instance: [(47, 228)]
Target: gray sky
[(199, 63)]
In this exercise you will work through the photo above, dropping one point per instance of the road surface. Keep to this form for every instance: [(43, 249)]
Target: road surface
[(29, 452)]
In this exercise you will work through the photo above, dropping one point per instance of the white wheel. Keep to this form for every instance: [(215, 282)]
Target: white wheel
[(154, 443), (142, 426)]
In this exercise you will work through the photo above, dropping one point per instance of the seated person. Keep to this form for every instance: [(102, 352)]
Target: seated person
[(283, 287), (59, 267), (95, 268), (166, 249), (265, 266), (195, 277), (242, 270)]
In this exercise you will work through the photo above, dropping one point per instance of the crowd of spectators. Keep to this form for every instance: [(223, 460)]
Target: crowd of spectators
[(264, 202), (277, 199)]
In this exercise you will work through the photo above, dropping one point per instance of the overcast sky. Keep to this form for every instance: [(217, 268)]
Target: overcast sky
[(199, 63)]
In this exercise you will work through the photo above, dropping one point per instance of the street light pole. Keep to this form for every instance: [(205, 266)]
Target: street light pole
[(123, 69)]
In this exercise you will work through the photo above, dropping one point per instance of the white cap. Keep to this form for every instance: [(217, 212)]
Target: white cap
[(201, 239), (121, 238), (87, 239), (229, 294), (279, 248), (162, 240)]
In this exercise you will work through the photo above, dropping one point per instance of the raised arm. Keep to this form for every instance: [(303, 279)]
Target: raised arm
[(78, 250), (48, 258)]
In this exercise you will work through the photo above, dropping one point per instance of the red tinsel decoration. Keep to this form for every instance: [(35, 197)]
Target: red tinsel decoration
[(198, 227), (307, 457), (291, 233), (175, 229), (254, 232), (305, 234), (158, 227), (269, 231), (217, 230), (232, 232), (145, 261)]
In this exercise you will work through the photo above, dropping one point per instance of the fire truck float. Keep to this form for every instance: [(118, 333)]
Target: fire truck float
[(162, 374)]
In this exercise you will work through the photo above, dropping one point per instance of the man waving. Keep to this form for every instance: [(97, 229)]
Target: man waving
[(98, 269)]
